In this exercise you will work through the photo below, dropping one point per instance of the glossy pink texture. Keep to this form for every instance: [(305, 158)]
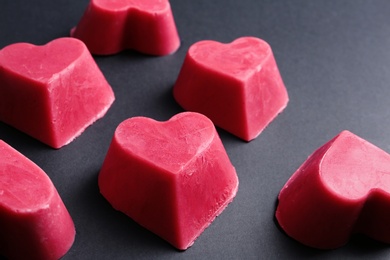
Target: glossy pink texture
[(52, 92), (343, 188), (110, 26), (171, 177), (34, 222), (237, 85)]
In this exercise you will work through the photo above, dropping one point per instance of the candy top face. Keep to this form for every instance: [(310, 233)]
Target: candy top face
[(353, 166), (167, 144), (149, 5), (41, 63), (23, 185), (240, 58)]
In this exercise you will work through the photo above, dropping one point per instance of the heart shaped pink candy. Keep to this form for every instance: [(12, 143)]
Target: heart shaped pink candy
[(171, 177), (343, 188), (52, 92), (110, 26), (34, 222), (236, 85)]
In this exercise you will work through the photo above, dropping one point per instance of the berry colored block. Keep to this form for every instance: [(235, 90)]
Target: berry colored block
[(237, 85), (34, 222), (52, 92), (171, 177), (343, 188), (110, 26)]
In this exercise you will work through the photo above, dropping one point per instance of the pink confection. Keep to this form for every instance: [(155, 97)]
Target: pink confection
[(52, 92), (110, 26), (34, 222), (236, 85), (171, 177), (343, 188)]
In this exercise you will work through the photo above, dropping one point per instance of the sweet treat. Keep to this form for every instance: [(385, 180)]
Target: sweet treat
[(343, 188), (34, 222), (171, 177), (110, 26), (52, 92), (236, 85)]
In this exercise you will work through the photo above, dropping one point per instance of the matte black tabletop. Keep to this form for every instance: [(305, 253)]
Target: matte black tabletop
[(334, 57)]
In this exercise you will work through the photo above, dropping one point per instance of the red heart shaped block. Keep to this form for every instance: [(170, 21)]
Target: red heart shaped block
[(343, 188), (171, 177), (237, 85), (52, 92), (110, 26), (34, 222)]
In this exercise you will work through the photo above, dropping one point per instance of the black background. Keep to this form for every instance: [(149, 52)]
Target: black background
[(334, 57)]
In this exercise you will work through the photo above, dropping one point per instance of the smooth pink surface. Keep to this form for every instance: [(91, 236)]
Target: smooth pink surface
[(341, 189), (171, 177), (236, 85), (34, 222), (52, 92), (110, 26)]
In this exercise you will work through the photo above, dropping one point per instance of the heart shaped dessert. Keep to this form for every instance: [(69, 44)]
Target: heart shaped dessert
[(236, 85), (34, 222), (110, 26), (52, 92), (171, 177), (343, 188)]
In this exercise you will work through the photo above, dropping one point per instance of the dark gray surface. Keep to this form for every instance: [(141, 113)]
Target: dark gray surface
[(334, 57)]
